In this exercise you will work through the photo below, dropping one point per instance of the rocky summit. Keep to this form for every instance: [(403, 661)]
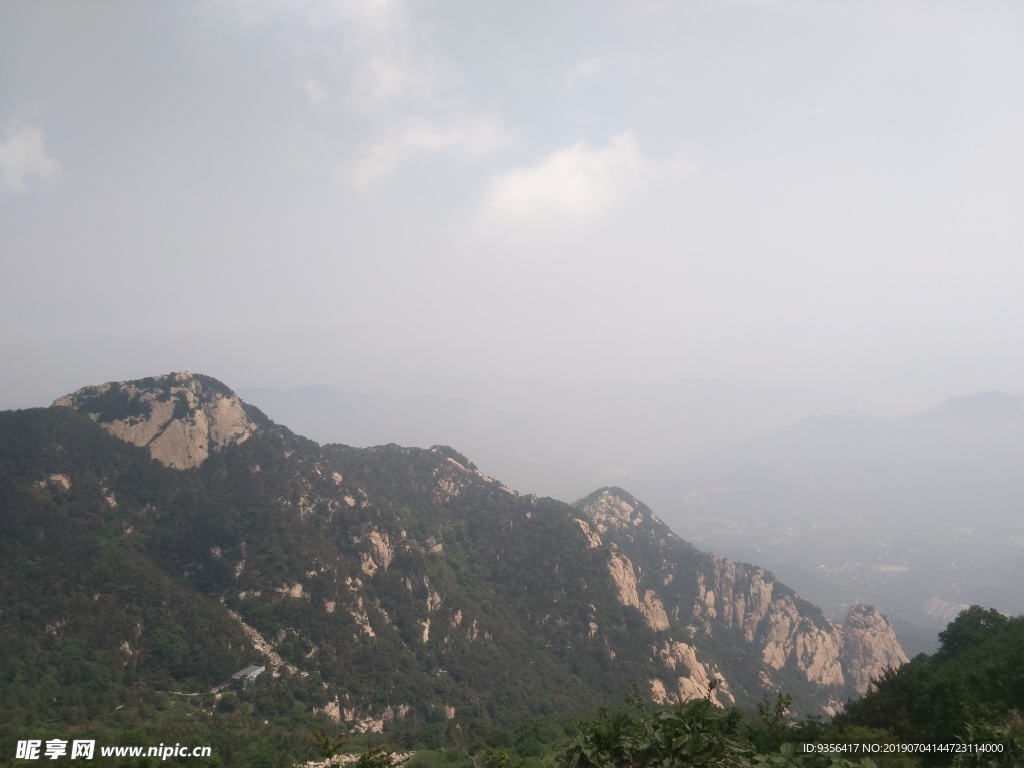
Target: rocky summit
[(170, 535), (180, 418)]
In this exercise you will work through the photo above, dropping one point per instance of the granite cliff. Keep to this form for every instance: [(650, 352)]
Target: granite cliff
[(180, 418), (712, 597)]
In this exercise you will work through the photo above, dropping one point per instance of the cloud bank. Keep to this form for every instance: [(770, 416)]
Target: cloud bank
[(23, 155), (575, 184), (469, 134)]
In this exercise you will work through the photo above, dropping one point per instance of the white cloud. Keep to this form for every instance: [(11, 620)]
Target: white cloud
[(314, 91), (678, 166), (389, 76), (585, 69), (375, 42), (469, 134), (391, 66), (23, 154), (576, 184), (394, 74), (398, 74)]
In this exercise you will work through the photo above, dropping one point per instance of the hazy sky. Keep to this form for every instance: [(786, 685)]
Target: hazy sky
[(818, 193)]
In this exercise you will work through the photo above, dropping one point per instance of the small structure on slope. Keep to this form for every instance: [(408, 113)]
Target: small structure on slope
[(246, 678)]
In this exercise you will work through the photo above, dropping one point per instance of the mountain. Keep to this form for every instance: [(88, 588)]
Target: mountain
[(778, 639), (986, 407), (180, 418), (920, 515), (161, 534)]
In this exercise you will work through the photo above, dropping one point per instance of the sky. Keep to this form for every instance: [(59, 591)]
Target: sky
[(817, 194)]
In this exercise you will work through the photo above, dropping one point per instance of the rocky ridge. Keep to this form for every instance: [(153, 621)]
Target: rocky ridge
[(717, 596), (372, 569), (181, 418)]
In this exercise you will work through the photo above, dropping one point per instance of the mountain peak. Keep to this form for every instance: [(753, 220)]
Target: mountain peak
[(180, 417), (612, 507), (870, 646)]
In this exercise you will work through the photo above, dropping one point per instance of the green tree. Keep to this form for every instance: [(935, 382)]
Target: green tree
[(691, 733), (974, 626)]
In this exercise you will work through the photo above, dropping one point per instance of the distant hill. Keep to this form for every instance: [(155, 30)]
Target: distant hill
[(161, 534), (920, 515), (995, 408), (549, 438)]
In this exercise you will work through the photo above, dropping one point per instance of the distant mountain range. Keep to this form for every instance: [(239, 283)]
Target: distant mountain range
[(549, 438), (160, 535), (920, 515)]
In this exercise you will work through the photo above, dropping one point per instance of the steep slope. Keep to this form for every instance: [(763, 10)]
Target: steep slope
[(724, 607), (383, 584)]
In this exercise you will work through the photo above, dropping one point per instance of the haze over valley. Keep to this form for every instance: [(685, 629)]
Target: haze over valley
[(579, 345)]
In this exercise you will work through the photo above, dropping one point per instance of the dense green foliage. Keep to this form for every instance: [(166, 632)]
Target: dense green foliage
[(400, 588), (114, 574), (696, 733), (972, 688)]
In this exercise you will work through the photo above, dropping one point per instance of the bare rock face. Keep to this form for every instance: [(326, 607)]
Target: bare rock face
[(651, 607), (870, 646), (827, 654), (693, 681), (735, 595), (714, 599), (612, 511), (181, 418)]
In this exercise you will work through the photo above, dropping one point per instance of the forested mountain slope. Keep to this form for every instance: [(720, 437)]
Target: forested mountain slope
[(160, 534)]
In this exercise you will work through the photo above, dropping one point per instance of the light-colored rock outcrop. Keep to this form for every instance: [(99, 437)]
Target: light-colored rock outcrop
[(57, 481), (692, 680), (177, 417), (826, 653), (373, 723), (719, 596), (651, 607), (654, 611), (291, 590), (870, 647), (381, 553), (744, 597), (817, 653), (274, 660), (621, 570), (593, 540), (736, 595), (332, 709), (434, 601), (612, 511), (361, 618)]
